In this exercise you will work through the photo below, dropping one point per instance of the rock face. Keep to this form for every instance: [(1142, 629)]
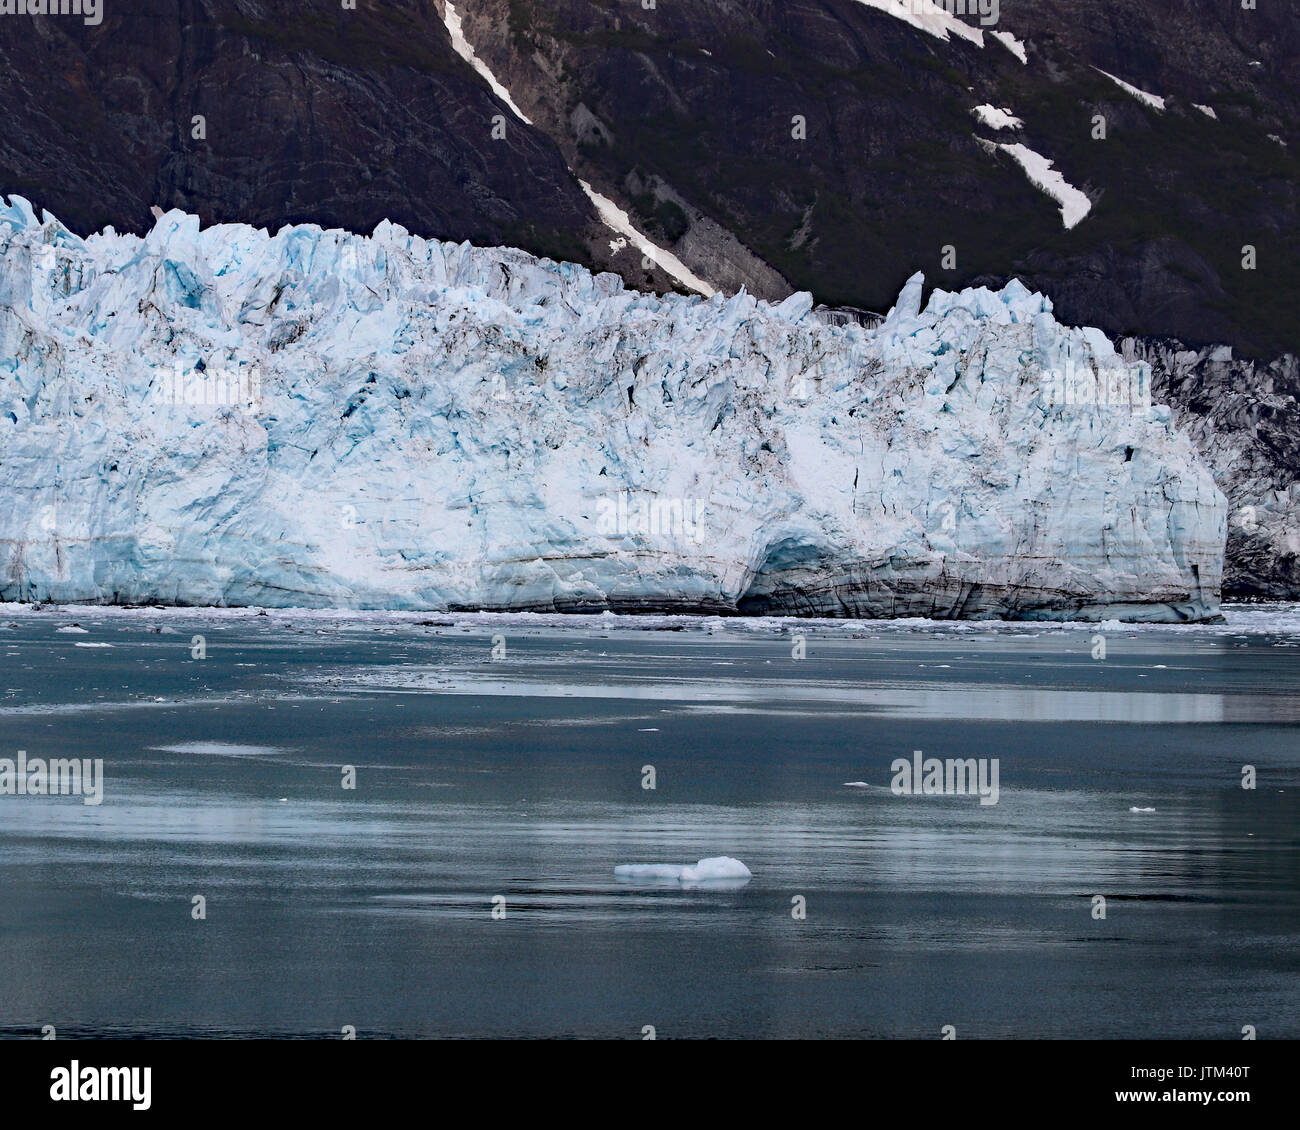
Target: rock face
[(271, 112), (820, 145), (218, 416), (1244, 417), (837, 140)]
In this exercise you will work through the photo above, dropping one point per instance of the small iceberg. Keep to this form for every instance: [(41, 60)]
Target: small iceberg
[(718, 871), (1136, 809)]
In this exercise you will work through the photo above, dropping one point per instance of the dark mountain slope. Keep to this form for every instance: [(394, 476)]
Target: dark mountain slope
[(692, 103), (313, 114)]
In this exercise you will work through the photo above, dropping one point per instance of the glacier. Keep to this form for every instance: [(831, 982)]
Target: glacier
[(318, 419)]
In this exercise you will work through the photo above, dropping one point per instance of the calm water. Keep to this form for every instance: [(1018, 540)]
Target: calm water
[(522, 777)]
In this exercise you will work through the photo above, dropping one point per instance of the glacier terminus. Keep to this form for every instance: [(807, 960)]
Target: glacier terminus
[(221, 416)]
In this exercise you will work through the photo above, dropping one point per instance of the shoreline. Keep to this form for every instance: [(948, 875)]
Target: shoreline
[(1255, 617)]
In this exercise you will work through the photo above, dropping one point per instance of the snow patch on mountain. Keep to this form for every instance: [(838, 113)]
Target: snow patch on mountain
[(928, 17), (1075, 205), (1208, 111), (461, 45), (441, 426), (610, 214), (618, 220), (938, 20), (1012, 44), (1152, 100), (994, 118)]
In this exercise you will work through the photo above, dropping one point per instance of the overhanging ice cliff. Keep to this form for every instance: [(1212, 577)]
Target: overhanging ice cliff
[(317, 419)]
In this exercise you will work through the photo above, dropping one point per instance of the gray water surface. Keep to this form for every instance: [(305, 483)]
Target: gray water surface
[(522, 777)]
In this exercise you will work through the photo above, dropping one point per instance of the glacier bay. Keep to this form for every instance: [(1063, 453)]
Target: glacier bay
[(406, 424)]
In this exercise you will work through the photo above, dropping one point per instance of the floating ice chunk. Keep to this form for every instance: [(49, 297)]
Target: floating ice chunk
[(220, 749), (1111, 626), (74, 629), (1136, 809), (92, 645), (717, 868)]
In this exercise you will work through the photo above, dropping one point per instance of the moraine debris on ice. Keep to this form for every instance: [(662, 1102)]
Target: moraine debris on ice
[(318, 419)]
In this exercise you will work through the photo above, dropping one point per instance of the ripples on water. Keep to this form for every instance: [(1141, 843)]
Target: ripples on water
[(522, 778)]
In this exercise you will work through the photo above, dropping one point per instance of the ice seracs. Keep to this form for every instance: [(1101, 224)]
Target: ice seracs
[(446, 427)]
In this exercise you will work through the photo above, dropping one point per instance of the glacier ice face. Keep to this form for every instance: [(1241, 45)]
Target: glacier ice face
[(318, 419)]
